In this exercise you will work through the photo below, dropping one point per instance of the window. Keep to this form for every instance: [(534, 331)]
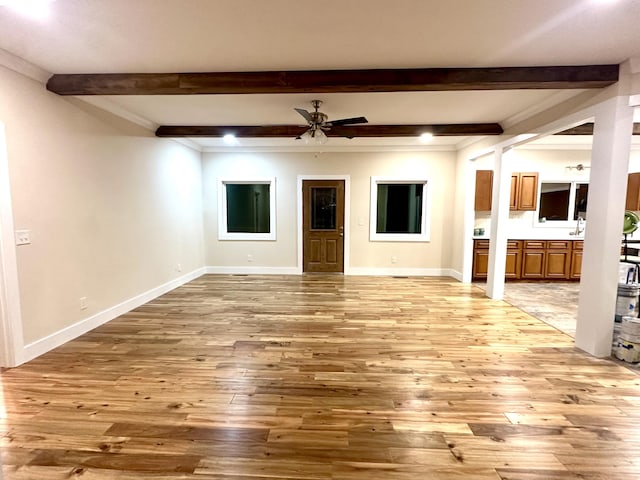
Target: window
[(562, 202), (246, 209), (399, 210)]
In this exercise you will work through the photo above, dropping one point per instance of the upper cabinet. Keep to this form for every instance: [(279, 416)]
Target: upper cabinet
[(524, 190), (633, 192), (484, 187)]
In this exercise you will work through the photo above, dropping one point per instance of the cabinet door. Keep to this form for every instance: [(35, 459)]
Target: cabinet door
[(480, 263), (514, 264), (513, 198), (533, 264), (576, 264), (633, 192), (527, 191), (484, 187), (558, 264)]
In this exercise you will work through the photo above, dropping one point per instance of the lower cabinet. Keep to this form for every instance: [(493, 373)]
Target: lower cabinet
[(533, 259), (481, 259), (576, 260), (558, 261)]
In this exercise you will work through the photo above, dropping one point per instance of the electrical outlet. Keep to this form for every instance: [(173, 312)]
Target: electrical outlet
[(83, 303), (23, 237), (394, 259), (249, 258), (178, 267)]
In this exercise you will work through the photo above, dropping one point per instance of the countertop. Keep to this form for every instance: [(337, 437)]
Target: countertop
[(557, 236)]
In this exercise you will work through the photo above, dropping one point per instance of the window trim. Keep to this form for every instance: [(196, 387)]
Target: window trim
[(223, 234), (425, 225)]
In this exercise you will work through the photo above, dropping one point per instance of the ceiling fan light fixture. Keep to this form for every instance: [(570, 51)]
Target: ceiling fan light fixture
[(314, 136)]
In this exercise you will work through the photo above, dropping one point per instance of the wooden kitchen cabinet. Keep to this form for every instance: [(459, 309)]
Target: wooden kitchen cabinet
[(558, 259), (633, 192), (480, 258), (513, 264), (533, 258), (576, 260), (524, 190), (484, 190)]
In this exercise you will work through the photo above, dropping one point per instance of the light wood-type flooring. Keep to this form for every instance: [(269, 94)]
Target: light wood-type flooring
[(321, 377)]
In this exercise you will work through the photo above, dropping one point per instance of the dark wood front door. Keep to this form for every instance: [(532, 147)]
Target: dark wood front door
[(323, 225)]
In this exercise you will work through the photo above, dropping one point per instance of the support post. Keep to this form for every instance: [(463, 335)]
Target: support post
[(603, 234), (499, 225)]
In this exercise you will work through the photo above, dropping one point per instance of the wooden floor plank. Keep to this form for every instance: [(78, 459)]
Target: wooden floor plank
[(321, 377)]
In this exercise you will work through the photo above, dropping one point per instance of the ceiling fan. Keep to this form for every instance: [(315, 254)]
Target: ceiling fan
[(319, 123)]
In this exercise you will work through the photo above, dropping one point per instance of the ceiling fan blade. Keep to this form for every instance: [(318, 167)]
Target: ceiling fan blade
[(305, 114), (347, 121)]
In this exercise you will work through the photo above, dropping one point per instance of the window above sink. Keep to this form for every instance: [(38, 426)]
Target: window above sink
[(561, 203)]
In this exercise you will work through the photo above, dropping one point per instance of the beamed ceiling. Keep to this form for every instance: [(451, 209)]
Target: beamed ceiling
[(458, 70)]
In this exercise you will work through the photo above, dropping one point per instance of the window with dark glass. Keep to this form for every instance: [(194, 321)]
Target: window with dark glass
[(399, 208), (562, 201), (248, 208)]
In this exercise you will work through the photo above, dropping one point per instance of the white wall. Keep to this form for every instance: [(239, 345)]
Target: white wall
[(365, 256), (112, 210)]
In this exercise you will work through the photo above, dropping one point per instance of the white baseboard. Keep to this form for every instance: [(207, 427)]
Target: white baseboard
[(456, 274), (67, 334), (404, 272), (254, 270), (401, 272)]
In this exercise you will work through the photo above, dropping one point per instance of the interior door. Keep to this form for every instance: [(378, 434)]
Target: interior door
[(323, 225)]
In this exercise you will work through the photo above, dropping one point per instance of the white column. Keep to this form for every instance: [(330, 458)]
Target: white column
[(603, 234), (499, 224)]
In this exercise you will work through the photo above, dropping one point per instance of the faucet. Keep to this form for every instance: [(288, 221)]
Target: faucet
[(579, 227)]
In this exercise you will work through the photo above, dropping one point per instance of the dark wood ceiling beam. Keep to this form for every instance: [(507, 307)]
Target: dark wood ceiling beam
[(335, 81), (587, 129), (278, 131)]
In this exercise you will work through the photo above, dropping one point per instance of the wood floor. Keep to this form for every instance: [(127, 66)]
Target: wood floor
[(321, 377)]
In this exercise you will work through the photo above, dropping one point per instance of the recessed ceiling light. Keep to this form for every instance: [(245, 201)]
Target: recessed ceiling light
[(230, 139), (426, 137)]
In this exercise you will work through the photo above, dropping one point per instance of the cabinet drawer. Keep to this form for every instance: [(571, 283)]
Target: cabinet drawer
[(535, 244), (578, 244), (558, 244), (481, 244), (514, 244)]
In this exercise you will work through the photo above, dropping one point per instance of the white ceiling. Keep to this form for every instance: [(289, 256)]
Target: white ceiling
[(116, 36)]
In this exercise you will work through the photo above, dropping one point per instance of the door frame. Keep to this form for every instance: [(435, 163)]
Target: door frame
[(11, 337), (347, 209)]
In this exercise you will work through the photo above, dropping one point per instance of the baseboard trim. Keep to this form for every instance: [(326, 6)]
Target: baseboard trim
[(253, 270), (456, 274), (48, 343), (402, 272)]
